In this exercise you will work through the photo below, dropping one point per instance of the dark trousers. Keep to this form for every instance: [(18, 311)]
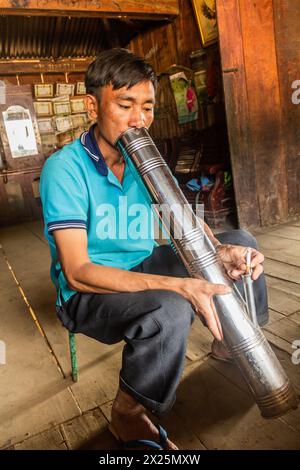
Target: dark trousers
[(154, 325)]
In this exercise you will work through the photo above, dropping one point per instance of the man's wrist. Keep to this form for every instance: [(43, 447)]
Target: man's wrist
[(178, 285)]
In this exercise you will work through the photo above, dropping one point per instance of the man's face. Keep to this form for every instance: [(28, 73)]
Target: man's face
[(118, 110)]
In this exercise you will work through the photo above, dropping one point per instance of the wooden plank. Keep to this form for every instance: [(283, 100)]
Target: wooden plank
[(281, 270), (99, 364), (177, 431), (280, 343), (37, 228), (99, 367), (22, 67), (237, 111), (89, 432), (292, 370), (287, 20), (296, 318), (106, 409), (279, 249), (274, 316), (199, 342), (51, 439), (290, 232), (165, 39), (265, 109), (285, 329), (40, 395), (84, 8), (223, 416), (180, 433), (231, 372), (284, 286), (178, 38), (293, 419), (282, 302), (187, 33), (148, 46)]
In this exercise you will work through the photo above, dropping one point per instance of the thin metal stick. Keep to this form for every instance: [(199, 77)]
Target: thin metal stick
[(248, 289)]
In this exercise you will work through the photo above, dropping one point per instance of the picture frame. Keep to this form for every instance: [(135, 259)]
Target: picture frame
[(185, 97), (43, 108), (61, 107), (20, 138), (78, 120), (65, 89), (45, 125), (80, 88), (63, 123), (77, 105), (42, 90), (206, 19)]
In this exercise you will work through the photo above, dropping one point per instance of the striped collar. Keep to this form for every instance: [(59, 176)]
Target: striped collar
[(89, 142)]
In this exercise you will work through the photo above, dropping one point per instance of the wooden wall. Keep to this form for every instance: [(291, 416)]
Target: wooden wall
[(172, 43), (258, 42), (287, 34), (166, 46), (169, 46)]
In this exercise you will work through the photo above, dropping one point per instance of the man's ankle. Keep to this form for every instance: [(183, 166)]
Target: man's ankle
[(125, 404)]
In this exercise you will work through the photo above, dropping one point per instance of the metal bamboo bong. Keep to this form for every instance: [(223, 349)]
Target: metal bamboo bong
[(252, 353)]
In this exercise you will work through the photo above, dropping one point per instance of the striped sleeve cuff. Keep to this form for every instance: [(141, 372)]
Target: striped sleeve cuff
[(63, 224)]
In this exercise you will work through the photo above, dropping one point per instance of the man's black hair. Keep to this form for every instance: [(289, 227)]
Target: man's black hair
[(119, 67)]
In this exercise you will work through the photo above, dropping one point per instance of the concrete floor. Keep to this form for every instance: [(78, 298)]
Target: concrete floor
[(40, 407)]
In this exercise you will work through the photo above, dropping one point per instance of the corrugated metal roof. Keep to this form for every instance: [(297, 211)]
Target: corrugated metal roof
[(56, 37)]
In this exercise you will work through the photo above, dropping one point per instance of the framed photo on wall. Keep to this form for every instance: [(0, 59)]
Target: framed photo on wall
[(19, 132), (206, 19)]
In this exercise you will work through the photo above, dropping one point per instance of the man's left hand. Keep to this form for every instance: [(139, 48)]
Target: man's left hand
[(234, 260)]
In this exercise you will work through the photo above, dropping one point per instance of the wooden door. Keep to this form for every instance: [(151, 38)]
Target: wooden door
[(254, 109)]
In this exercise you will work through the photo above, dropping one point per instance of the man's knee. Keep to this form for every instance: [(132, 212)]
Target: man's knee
[(162, 312), (176, 313), (245, 238), (238, 237)]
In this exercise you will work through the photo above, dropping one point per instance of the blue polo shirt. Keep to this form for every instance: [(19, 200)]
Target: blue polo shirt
[(79, 191)]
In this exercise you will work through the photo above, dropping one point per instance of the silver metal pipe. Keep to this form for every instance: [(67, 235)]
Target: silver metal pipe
[(246, 342), (249, 296), (248, 288)]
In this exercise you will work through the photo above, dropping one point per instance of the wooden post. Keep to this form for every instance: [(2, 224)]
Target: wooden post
[(32, 66), (254, 110), (132, 8), (236, 100), (265, 109), (287, 21)]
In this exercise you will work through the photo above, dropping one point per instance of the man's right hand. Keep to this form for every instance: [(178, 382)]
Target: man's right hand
[(200, 294)]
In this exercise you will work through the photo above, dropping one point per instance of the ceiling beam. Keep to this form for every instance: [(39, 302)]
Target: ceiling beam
[(32, 66), (139, 9)]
